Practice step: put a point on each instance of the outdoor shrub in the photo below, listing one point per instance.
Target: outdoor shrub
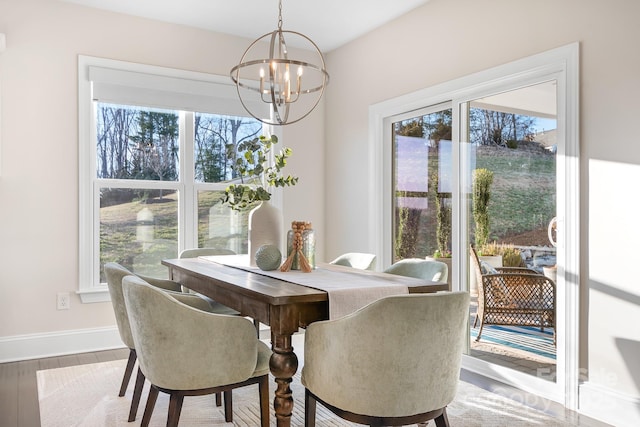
(512, 143)
(489, 249)
(443, 216)
(482, 181)
(407, 221)
(511, 257)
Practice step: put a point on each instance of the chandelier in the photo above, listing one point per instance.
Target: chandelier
(266, 74)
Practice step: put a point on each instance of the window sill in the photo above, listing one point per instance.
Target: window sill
(96, 294)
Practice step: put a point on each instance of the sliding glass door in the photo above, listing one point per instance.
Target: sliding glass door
(505, 181)
(422, 185)
(490, 162)
(510, 218)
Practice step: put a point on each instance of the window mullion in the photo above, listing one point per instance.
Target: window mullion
(189, 196)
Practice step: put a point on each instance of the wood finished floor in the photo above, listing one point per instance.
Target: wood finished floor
(19, 391)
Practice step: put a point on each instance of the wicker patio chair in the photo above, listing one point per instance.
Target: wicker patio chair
(514, 296)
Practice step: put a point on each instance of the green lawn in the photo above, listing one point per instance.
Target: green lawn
(522, 199)
(523, 191)
(141, 246)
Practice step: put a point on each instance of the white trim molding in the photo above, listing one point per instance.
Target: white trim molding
(608, 405)
(36, 346)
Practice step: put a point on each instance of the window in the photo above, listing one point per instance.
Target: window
(154, 161)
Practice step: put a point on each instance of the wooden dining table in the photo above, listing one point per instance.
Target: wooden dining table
(284, 306)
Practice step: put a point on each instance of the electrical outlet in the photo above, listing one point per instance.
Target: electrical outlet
(63, 301)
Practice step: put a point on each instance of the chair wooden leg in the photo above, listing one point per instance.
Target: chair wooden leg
(228, 406)
(137, 392)
(218, 399)
(309, 409)
(127, 372)
(175, 407)
(442, 420)
(263, 390)
(480, 331)
(151, 403)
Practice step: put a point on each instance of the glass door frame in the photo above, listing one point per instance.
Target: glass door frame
(560, 64)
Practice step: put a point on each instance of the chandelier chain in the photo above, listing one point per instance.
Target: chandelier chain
(279, 14)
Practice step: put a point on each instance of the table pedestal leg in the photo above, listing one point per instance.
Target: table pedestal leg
(283, 365)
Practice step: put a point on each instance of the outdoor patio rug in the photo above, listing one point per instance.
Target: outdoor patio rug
(520, 339)
(87, 395)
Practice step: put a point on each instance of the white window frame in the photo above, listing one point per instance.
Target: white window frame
(560, 64)
(121, 82)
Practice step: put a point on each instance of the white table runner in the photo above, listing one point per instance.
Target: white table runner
(347, 291)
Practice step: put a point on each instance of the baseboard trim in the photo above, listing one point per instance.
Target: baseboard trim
(609, 406)
(36, 346)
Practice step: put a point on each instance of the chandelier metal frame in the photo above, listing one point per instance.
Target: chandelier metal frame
(277, 87)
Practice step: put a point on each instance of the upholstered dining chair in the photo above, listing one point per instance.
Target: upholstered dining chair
(196, 252)
(432, 270)
(115, 273)
(362, 261)
(183, 351)
(394, 362)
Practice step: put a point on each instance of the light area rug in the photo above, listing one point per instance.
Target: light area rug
(87, 395)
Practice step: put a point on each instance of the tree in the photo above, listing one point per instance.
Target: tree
(413, 127)
(490, 127)
(213, 134)
(155, 146)
(438, 126)
(114, 125)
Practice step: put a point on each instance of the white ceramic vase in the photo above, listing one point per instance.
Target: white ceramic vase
(265, 228)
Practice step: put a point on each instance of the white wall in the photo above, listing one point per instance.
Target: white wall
(39, 171)
(446, 39)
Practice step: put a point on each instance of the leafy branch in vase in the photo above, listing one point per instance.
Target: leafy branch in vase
(255, 177)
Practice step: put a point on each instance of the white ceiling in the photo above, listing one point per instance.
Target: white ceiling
(537, 100)
(329, 23)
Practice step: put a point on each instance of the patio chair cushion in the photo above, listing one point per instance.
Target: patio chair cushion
(487, 268)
